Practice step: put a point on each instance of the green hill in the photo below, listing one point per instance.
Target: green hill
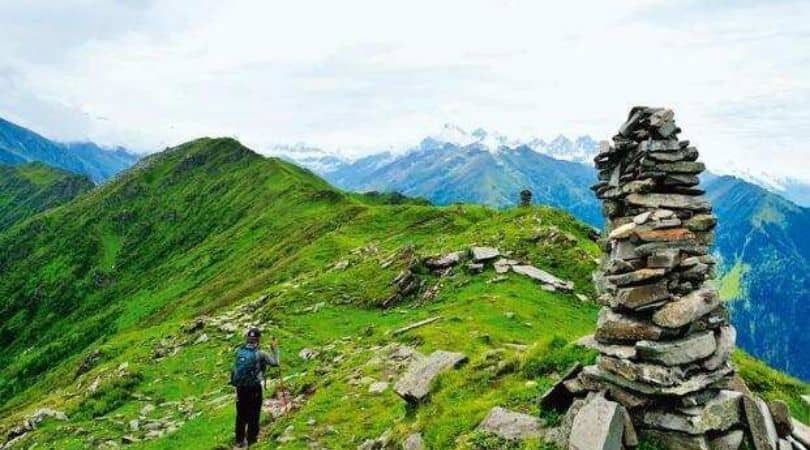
(31, 188)
(122, 308)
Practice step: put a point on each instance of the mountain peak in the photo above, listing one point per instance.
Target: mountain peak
(479, 133)
(453, 134)
(560, 140)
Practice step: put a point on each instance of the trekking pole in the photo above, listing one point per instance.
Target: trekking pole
(285, 403)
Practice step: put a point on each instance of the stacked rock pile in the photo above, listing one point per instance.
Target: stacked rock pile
(663, 334)
(663, 330)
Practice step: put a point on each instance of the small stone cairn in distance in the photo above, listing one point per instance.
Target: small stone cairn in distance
(663, 333)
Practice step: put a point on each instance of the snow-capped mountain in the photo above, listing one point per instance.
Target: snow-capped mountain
(313, 158)
(581, 150)
(493, 141)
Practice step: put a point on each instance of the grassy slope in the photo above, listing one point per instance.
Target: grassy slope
(209, 227)
(31, 188)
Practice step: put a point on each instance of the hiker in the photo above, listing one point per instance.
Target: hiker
(247, 376)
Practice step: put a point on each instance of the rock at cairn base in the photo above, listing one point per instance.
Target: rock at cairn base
(511, 425)
(599, 425)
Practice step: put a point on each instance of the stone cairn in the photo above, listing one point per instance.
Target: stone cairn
(663, 334)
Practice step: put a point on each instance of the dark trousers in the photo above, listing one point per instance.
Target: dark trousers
(248, 409)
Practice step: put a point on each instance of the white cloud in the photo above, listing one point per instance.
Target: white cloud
(363, 75)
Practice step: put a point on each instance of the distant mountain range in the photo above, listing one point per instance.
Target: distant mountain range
(765, 258)
(581, 149)
(19, 145)
(455, 166)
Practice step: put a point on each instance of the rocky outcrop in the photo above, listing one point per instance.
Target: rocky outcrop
(30, 424)
(475, 261)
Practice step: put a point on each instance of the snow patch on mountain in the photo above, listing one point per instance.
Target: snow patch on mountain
(581, 150)
(313, 158)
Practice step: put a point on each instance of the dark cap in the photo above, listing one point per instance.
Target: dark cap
(254, 332)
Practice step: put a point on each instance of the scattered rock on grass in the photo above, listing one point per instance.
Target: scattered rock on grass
(414, 442)
(512, 425)
(544, 277)
(378, 387)
(480, 254)
(415, 384)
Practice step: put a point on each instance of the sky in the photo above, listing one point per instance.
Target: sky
(356, 77)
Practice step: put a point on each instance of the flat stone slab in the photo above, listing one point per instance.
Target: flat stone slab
(653, 374)
(480, 254)
(543, 277)
(503, 265)
(639, 296)
(670, 201)
(512, 425)
(719, 414)
(450, 259)
(636, 277)
(415, 384)
(599, 425)
(619, 351)
(682, 351)
(686, 387)
(616, 328)
(689, 308)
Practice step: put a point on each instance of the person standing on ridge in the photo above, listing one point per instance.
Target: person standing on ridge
(247, 376)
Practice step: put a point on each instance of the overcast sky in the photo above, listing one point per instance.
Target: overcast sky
(359, 76)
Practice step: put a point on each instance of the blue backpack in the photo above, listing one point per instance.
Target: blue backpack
(247, 368)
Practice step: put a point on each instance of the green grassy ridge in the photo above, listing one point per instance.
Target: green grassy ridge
(179, 225)
(28, 189)
(210, 226)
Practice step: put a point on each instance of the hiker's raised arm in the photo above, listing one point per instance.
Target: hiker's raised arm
(272, 357)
